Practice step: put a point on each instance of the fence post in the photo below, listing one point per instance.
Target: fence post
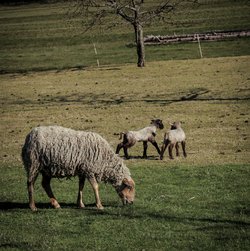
(97, 60)
(198, 39)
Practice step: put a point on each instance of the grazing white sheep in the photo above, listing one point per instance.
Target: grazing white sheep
(58, 152)
(145, 135)
(172, 138)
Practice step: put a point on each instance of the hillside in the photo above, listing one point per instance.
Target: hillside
(41, 37)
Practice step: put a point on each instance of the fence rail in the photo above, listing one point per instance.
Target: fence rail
(209, 36)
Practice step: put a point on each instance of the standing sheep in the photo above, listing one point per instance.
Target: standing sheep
(146, 134)
(58, 152)
(172, 138)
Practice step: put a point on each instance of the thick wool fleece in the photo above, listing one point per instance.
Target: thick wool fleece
(62, 152)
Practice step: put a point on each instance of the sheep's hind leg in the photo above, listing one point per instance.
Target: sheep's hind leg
(81, 186)
(95, 187)
(118, 148)
(46, 185)
(177, 149)
(125, 149)
(170, 151)
(145, 147)
(183, 144)
(30, 186)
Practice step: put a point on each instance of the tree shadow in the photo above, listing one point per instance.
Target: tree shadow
(132, 214)
(107, 99)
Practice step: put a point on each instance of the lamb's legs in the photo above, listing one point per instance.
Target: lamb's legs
(183, 144)
(156, 146)
(163, 148)
(125, 149)
(177, 149)
(170, 151)
(46, 185)
(145, 147)
(95, 187)
(119, 147)
(81, 186)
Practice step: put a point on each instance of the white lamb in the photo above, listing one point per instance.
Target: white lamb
(145, 135)
(172, 138)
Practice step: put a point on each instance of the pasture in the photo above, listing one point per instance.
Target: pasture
(38, 37)
(196, 203)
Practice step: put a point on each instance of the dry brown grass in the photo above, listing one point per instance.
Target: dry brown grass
(210, 97)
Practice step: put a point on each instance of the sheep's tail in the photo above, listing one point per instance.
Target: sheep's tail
(120, 134)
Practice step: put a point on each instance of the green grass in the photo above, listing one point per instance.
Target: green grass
(40, 37)
(197, 203)
(177, 208)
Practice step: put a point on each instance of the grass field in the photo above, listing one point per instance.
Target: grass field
(41, 37)
(196, 203)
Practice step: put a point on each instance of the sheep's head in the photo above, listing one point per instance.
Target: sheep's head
(175, 125)
(126, 191)
(158, 123)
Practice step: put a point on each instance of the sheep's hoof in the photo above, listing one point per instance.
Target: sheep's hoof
(34, 209)
(99, 207)
(81, 206)
(54, 203)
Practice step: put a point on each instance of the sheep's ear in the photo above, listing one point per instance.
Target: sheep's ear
(128, 183)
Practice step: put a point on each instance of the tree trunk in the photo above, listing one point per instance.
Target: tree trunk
(139, 45)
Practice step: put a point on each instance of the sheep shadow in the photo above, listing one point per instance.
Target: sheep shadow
(9, 205)
(140, 157)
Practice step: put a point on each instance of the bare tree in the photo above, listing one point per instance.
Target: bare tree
(138, 13)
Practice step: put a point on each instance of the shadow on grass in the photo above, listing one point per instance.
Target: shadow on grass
(8, 205)
(130, 212)
(105, 99)
(140, 157)
(172, 218)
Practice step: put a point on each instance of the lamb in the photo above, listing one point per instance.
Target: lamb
(146, 134)
(172, 138)
(58, 152)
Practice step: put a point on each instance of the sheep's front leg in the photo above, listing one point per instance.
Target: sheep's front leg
(154, 143)
(145, 147)
(95, 187)
(81, 186)
(163, 148)
(46, 185)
